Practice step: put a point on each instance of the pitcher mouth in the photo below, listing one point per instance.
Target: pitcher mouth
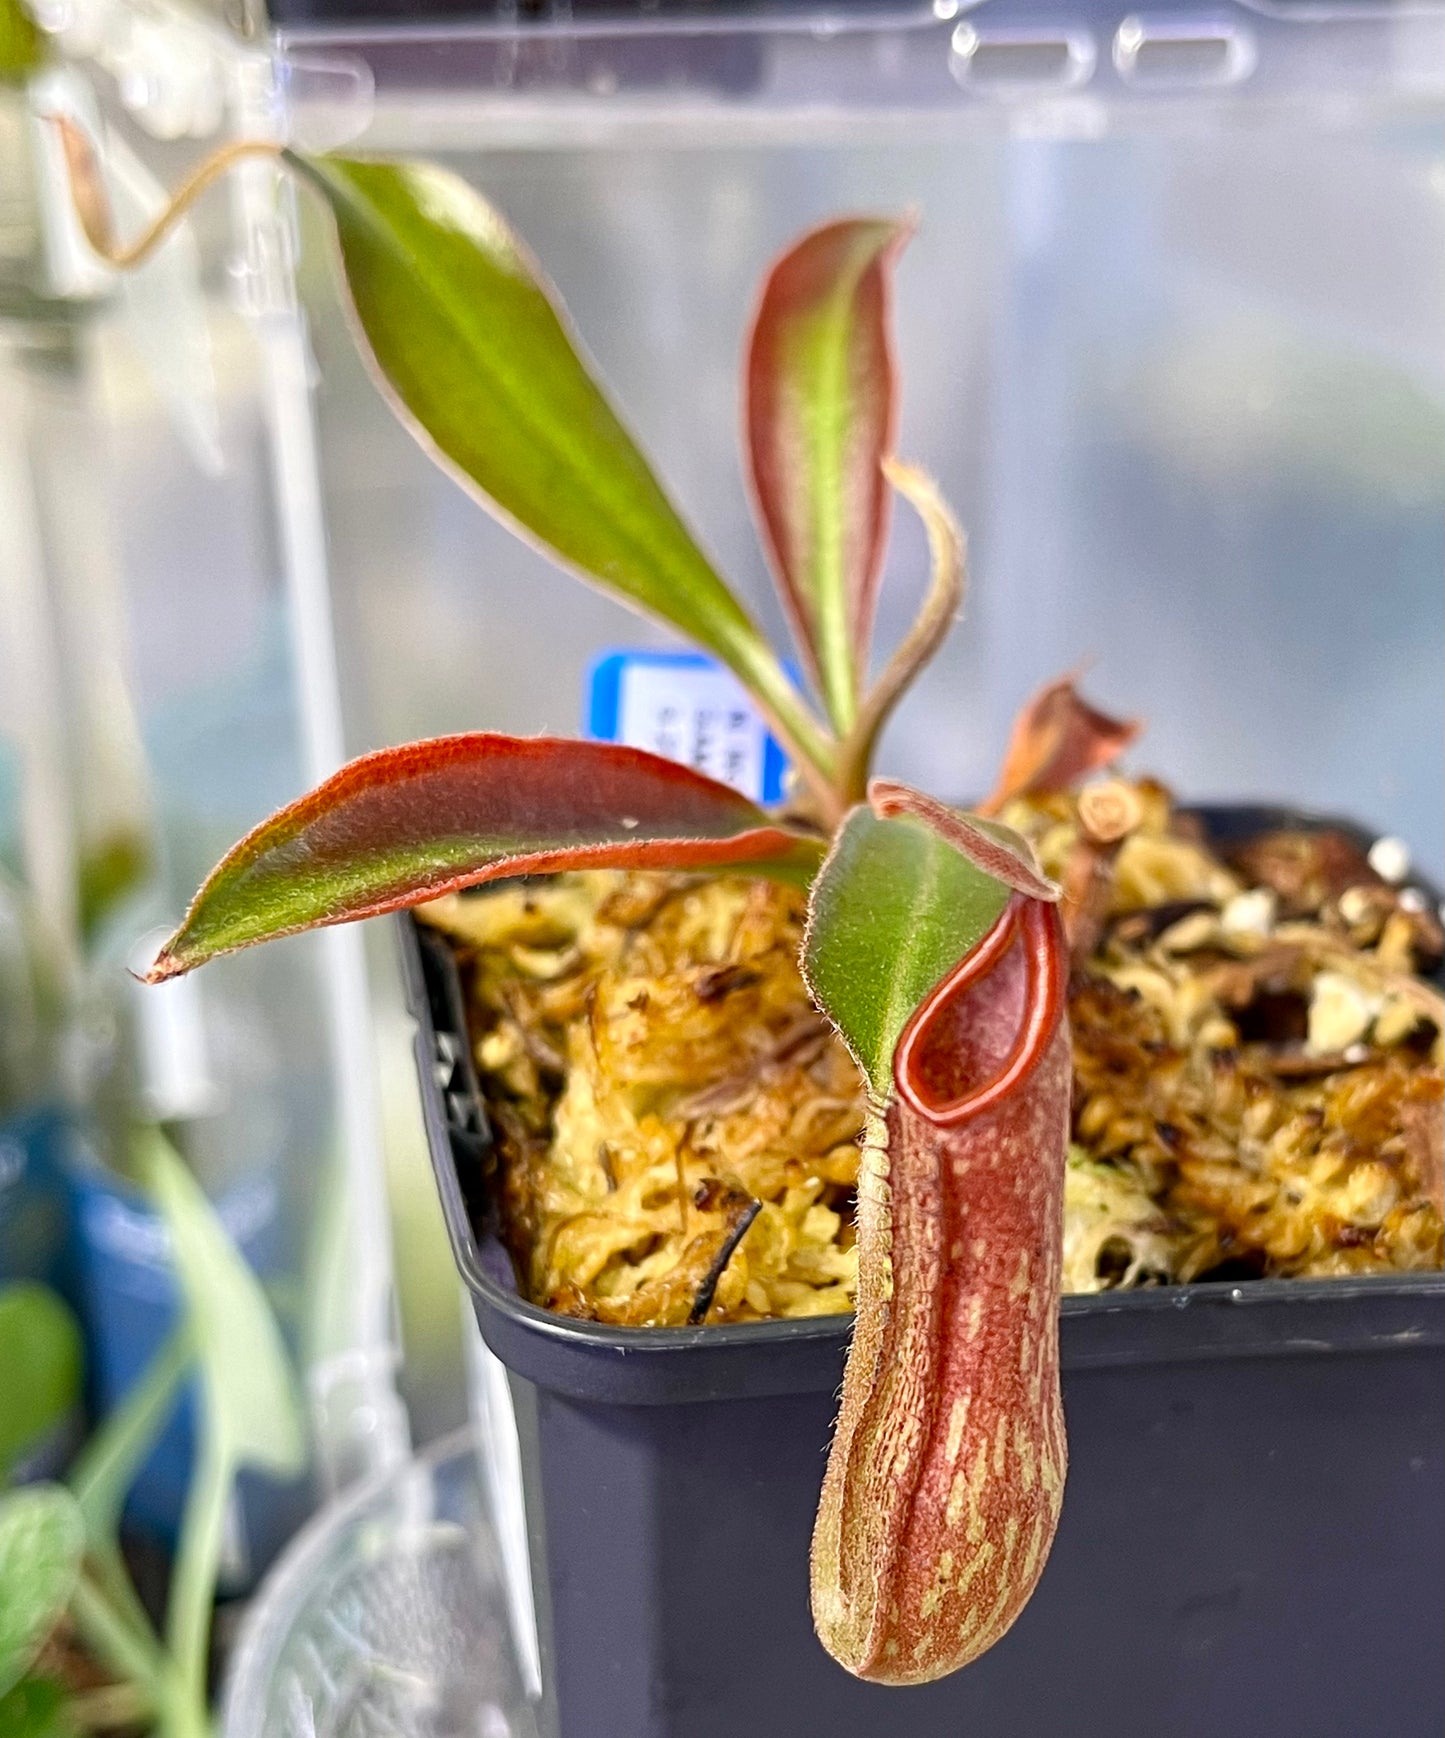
(1035, 928)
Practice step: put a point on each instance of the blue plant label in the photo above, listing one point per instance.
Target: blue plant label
(688, 707)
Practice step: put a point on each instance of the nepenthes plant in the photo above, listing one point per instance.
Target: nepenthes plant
(933, 942)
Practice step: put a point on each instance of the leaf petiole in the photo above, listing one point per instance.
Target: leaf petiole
(118, 1641)
(108, 1466)
(814, 752)
(193, 1583)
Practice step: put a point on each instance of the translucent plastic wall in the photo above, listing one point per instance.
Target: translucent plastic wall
(165, 679)
(1169, 336)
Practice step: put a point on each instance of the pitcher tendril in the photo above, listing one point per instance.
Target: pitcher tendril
(92, 202)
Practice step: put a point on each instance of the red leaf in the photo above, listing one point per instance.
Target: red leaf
(820, 418)
(407, 824)
(1056, 740)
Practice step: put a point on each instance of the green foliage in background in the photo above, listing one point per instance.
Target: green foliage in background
(40, 1367)
(61, 1565)
(22, 46)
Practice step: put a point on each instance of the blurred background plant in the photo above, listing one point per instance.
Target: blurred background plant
(131, 411)
(79, 1650)
(168, 1246)
(22, 46)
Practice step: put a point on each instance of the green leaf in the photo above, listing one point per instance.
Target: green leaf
(111, 870)
(820, 419)
(42, 1538)
(40, 1367)
(22, 46)
(36, 1708)
(894, 909)
(408, 824)
(248, 1390)
(476, 351)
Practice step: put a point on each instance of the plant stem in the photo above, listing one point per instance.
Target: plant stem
(112, 1705)
(813, 751)
(109, 1462)
(940, 609)
(118, 1641)
(193, 1583)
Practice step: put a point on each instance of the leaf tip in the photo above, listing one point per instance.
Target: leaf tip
(165, 966)
(1057, 739)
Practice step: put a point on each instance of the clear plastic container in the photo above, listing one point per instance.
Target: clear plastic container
(387, 1614)
(166, 677)
(1168, 337)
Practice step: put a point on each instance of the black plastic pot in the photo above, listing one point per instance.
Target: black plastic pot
(1253, 1540)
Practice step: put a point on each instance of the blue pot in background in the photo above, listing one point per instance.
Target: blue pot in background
(35, 1152)
(34, 1195)
(125, 1291)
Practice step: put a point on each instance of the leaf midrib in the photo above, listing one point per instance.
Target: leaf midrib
(834, 612)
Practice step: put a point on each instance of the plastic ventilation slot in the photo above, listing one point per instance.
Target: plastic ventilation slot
(1177, 54)
(1008, 62)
